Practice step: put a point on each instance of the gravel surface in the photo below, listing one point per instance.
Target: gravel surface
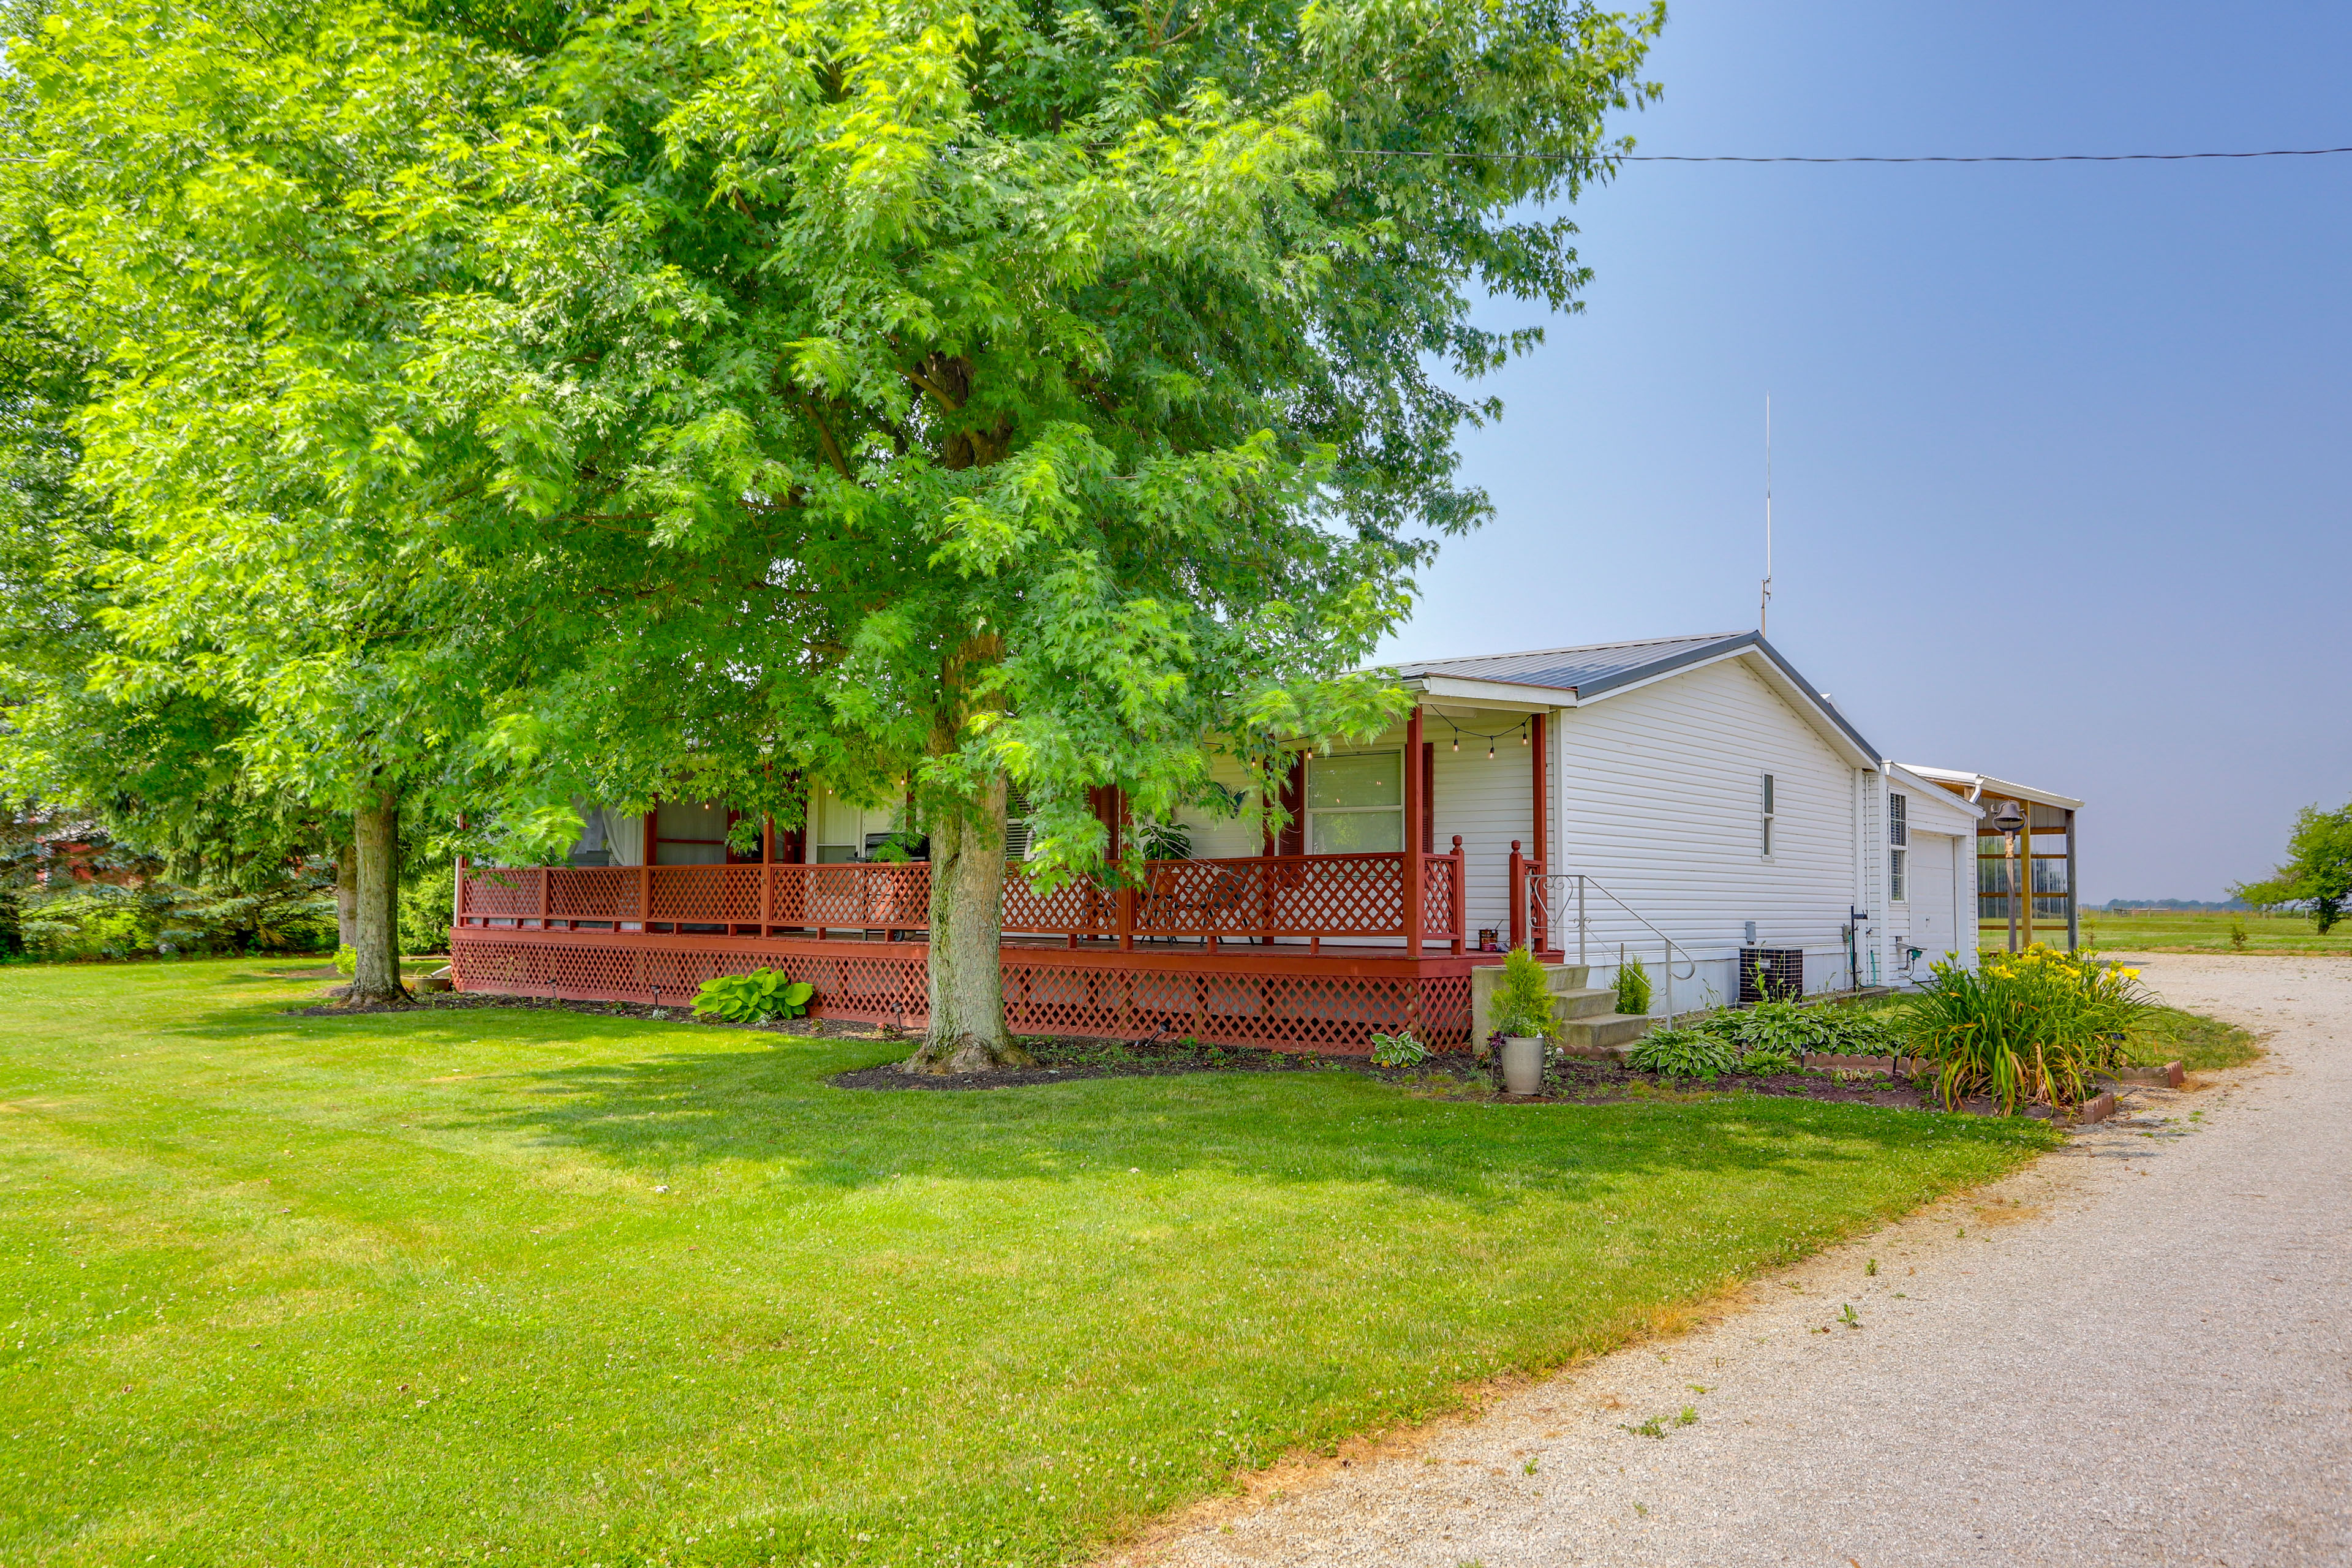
(2138, 1351)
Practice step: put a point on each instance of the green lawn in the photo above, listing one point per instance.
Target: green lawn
(2201, 930)
(2197, 1042)
(541, 1287)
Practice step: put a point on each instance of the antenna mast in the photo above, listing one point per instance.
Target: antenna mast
(1764, 606)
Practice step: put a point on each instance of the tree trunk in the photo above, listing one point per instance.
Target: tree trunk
(347, 897)
(967, 1032)
(375, 933)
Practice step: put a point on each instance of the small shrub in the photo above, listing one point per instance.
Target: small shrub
(347, 960)
(1523, 1001)
(1683, 1052)
(2237, 936)
(753, 998)
(1400, 1050)
(1766, 1063)
(1632, 988)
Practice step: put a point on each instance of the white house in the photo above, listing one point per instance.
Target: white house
(1691, 801)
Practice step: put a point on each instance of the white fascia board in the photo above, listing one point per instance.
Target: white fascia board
(1504, 695)
(1809, 704)
(1986, 782)
(1934, 794)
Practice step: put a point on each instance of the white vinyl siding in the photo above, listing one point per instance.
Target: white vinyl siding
(837, 828)
(1660, 798)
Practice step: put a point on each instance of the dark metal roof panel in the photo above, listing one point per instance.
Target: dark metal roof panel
(1592, 668)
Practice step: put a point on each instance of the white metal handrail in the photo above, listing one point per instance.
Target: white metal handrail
(1584, 925)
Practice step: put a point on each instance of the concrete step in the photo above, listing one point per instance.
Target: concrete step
(1567, 977)
(1603, 1029)
(1584, 1002)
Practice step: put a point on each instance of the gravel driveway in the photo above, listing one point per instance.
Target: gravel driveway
(2136, 1351)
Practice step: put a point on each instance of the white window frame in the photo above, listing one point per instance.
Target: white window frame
(1768, 797)
(1310, 811)
(1898, 818)
(1897, 878)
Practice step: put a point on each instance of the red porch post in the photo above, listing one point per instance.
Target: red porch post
(1518, 890)
(1123, 905)
(767, 874)
(1413, 873)
(1538, 767)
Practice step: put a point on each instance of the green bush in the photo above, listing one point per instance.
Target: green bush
(755, 998)
(2033, 1026)
(1523, 1001)
(1400, 1050)
(87, 923)
(1632, 988)
(1683, 1052)
(1767, 1062)
(428, 898)
(347, 960)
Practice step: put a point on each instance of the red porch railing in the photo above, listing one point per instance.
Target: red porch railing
(1268, 899)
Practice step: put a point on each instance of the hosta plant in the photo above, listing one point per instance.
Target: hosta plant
(1767, 1062)
(1681, 1052)
(2028, 1028)
(1399, 1050)
(753, 998)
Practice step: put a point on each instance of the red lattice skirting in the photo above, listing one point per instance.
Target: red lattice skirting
(1322, 1002)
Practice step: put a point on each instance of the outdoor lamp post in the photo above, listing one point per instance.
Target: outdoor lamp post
(2010, 821)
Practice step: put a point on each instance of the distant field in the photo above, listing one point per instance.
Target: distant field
(2200, 931)
(2186, 931)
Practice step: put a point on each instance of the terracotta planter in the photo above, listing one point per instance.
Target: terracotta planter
(1523, 1064)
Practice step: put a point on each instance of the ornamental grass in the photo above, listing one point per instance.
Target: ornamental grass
(2027, 1027)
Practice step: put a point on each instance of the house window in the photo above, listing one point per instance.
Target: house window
(1895, 874)
(1355, 802)
(1768, 815)
(1898, 826)
(689, 833)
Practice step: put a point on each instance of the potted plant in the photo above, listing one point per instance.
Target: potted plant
(1523, 1021)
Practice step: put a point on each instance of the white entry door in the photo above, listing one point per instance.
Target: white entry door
(1931, 898)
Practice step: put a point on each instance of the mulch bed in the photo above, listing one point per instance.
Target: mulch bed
(1062, 1060)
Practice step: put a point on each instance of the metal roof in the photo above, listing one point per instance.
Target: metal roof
(1976, 784)
(1598, 668)
(1588, 670)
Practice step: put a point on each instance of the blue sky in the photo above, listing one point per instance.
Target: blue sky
(2062, 455)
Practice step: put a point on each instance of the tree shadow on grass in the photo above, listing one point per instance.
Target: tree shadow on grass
(772, 1108)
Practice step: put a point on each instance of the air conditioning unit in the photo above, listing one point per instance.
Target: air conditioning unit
(1771, 974)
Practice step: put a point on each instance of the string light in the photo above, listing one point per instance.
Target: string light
(1523, 727)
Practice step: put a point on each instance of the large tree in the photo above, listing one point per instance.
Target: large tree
(1021, 393)
(229, 214)
(2317, 870)
(941, 396)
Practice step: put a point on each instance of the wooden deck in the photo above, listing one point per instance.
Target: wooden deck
(1303, 952)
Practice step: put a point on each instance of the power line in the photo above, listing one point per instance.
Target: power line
(1925, 158)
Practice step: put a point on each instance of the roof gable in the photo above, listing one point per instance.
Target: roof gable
(1596, 670)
